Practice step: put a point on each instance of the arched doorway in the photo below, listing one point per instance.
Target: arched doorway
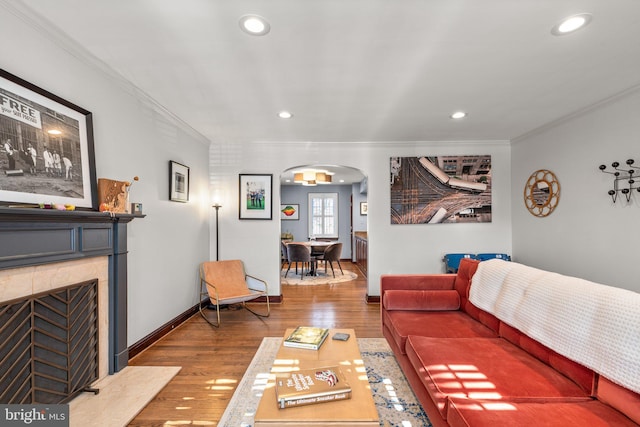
(343, 187)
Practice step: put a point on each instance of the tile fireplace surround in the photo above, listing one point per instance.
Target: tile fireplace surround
(21, 282)
(43, 250)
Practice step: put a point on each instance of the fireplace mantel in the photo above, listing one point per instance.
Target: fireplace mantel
(40, 236)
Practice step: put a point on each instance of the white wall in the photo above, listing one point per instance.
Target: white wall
(587, 235)
(392, 248)
(130, 139)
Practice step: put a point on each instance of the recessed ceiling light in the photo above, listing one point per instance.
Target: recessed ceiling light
(571, 24)
(285, 115)
(458, 115)
(255, 25)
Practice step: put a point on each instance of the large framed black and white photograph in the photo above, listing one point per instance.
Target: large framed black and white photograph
(46, 148)
(255, 198)
(178, 182)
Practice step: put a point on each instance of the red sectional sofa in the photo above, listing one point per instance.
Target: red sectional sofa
(470, 368)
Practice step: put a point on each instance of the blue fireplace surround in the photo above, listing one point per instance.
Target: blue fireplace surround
(39, 236)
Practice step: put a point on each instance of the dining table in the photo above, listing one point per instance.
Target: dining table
(317, 248)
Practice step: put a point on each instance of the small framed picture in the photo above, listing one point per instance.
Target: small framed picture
(289, 212)
(255, 196)
(363, 208)
(178, 182)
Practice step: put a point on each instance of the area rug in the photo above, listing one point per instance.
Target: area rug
(320, 279)
(396, 404)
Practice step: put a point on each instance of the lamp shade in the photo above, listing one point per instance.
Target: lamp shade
(312, 177)
(323, 178)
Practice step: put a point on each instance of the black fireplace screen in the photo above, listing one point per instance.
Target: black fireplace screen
(49, 345)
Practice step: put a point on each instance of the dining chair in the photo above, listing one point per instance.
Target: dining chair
(297, 252)
(284, 258)
(331, 255)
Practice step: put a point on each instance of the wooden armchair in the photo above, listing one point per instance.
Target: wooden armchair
(225, 282)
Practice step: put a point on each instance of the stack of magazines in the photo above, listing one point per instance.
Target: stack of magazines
(309, 337)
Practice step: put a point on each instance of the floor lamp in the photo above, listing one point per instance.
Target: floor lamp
(217, 206)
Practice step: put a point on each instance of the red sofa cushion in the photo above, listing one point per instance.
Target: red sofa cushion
(416, 281)
(421, 300)
(482, 316)
(462, 283)
(484, 368)
(443, 324)
(466, 271)
(620, 398)
(577, 372)
(591, 413)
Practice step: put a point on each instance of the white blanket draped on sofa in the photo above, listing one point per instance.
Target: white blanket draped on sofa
(592, 324)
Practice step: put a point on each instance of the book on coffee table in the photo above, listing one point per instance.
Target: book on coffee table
(309, 386)
(309, 337)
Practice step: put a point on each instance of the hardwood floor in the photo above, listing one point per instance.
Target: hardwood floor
(214, 360)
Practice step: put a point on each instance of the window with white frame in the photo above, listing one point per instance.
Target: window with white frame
(323, 215)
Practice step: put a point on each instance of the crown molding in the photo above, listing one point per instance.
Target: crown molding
(49, 30)
(386, 144)
(578, 113)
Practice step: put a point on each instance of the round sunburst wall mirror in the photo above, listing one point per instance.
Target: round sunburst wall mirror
(542, 193)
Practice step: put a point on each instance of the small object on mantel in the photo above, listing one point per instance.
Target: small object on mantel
(136, 208)
(113, 196)
(25, 206)
(57, 206)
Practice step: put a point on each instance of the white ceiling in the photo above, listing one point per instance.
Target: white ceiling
(361, 70)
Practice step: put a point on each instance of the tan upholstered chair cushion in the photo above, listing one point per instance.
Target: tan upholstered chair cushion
(228, 277)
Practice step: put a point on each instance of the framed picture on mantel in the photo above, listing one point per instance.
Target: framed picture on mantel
(46, 148)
